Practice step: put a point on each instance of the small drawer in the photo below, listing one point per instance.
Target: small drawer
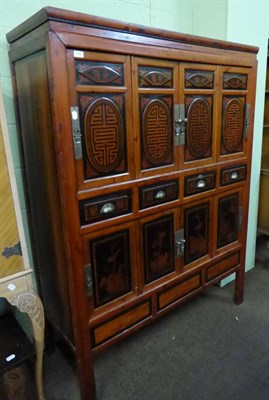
(176, 292)
(116, 325)
(105, 207)
(194, 184)
(233, 174)
(153, 195)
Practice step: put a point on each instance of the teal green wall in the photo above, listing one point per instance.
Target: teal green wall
(210, 18)
(233, 20)
(250, 25)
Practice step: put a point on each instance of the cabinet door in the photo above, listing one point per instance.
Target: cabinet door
(236, 111)
(230, 219)
(101, 117)
(198, 222)
(110, 263)
(154, 90)
(157, 247)
(198, 102)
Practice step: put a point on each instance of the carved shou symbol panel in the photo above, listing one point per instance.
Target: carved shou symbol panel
(158, 239)
(199, 127)
(228, 219)
(104, 138)
(155, 77)
(111, 266)
(234, 81)
(196, 232)
(156, 129)
(99, 73)
(199, 79)
(232, 124)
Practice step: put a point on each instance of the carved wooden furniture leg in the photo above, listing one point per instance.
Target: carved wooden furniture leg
(30, 303)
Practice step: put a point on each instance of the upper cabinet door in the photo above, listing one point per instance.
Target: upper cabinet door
(197, 114)
(100, 112)
(154, 84)
(236, 113)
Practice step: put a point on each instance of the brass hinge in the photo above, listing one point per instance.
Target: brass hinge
(247, 120)
(179, 124)
(179, 243)
(88, 280)
(76, 133)
(12, 251)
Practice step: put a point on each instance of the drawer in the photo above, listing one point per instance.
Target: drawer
(176, 292)
(194, 184)
(116, 325)
(105, 207)
(222, 266)
(160, 193)
(233, 174)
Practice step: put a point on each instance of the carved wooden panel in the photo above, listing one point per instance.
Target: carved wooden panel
(158, 238)
(195, 79)
(111, 266)
(155, 77)
(156, 131)
(228, 219)
(232, 124)
(99, 73)
(104, 134)
(199, 127)
(196, 222)
(234, 81)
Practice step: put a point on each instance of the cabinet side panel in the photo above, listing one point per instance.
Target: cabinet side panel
(41, 183)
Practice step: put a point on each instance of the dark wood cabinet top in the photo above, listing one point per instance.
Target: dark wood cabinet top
(65, 16)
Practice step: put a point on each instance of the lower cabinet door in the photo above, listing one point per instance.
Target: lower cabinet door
(198, 222)
(157, 246)
(111, 265)
(229, 208)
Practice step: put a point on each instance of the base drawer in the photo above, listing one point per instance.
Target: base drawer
(176, 292)
(129, 318)
(222, 266)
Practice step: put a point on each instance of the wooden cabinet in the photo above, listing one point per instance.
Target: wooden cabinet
(137, 153)
(263, 212)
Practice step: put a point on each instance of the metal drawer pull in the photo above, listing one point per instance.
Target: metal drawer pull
(234, 175)
(107, 208)
(201, 184)
(160, 194)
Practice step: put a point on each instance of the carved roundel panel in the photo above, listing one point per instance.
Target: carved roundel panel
(157, 138)
(104, 135)
(233, 125)
(199, 128)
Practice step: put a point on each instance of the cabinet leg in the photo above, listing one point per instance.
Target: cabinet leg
(30, 303)
(239, 287)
